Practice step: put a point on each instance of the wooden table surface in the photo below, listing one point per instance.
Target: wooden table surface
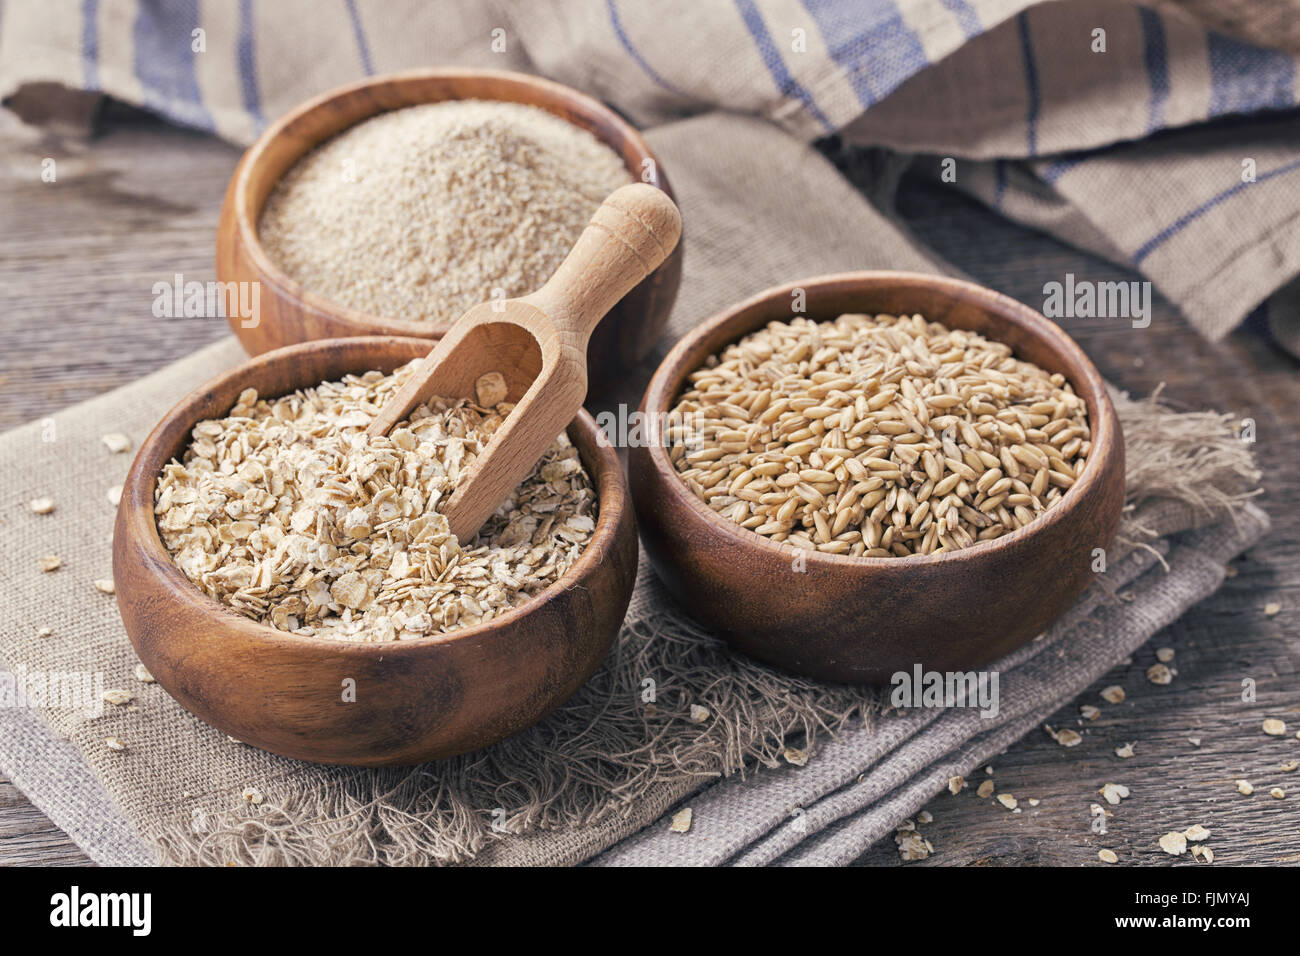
(139, 203)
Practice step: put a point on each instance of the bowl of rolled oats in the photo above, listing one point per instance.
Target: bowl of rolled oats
(854, 474)
(292, 582)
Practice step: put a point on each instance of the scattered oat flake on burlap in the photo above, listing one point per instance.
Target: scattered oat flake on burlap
(1090, 712)
(956, 785)
(1124, 751)
(1164, 654)
(795, 756)
(114, 495)
(1114, 694)
(252, 795)
(51, 562)
(1244, 787)
(1274, 727)
(699, 714)
(681, 821)
(1008, 801)
(1107, 856)
(104, 585)
(1114, 793)
(1272, 608)
(1277, 793)
(985, 790)
(1159, 674)
(44, 631)
(116, 442)
(41, 506)
(116, 697)
(115, 743)
(142, 674)
(1173, 843)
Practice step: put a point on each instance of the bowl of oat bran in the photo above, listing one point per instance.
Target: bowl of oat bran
(392, 205)
(908, 470)
(295, 587)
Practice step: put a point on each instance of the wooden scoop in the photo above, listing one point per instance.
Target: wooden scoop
(539, 346)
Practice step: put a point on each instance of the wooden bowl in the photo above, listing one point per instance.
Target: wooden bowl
(291, 313)
(416, 700)
(861, 620)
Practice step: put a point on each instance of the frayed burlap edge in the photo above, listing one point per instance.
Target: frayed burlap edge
(629, 730)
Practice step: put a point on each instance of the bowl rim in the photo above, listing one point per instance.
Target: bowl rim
(288, 287)
(658, 396)
(141, 526)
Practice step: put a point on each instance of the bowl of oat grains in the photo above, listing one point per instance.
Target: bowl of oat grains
(393, 205)
(906, 470)
(293, 583)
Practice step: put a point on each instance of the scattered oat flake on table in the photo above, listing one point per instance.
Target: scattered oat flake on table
(1290, 765)
(1114, 793)
(681, 821)
(795, 756)
(956, 785)
(1208, 855)
(1114, 694)
(142, 674)
(51, 562)
(104, 585)
(1034, 801)
(114, 495)
(1194, 741)
(1164, 654)
(911, 845)
(115, 743)
(989, 770)
(1159, 674)
(1008, 801)
(699, 714)
(925, 816)
(1173, 843)
(1277, 793)
(116, 697)
(252, 795)
(1196, 833)
(1107, 856)
(1125, 751)
(116, 442)
(1244, 787)
(1274, 727)
(41, 506)
(1230, 571)
(1066, 737)
(986, 789)
(1090, 712)
(1272, 608)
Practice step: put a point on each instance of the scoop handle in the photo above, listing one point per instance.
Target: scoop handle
(635, 229)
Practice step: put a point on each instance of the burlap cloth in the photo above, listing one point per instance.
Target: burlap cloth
(760, 207)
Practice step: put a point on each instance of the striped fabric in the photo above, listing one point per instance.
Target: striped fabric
(1014, 89)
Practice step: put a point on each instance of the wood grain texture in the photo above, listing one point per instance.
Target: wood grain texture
(860, 620)
(290, 313)
(539, 345)
(141, 202)
(415, 700)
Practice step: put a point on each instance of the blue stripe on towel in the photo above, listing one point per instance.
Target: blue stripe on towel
(90, 44)
(1245, 78)
(247, 64)
(870, 41)
(1186, 219)
(1156, 55)
(767, 48)
(164, 60)
(363, 48)
(1054, 171)
(967, 17)
(616, 23)
(1032, 95)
